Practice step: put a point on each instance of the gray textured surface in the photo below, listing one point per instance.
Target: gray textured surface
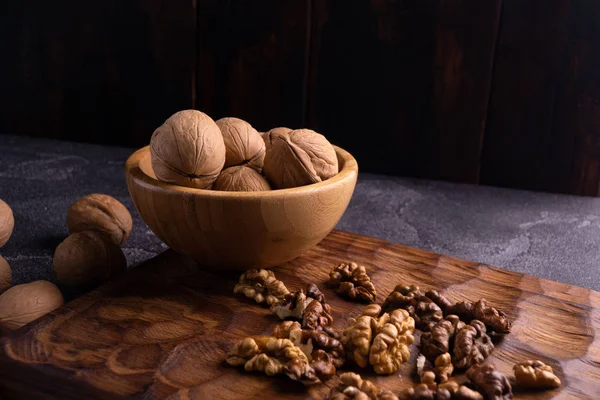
(552, 236)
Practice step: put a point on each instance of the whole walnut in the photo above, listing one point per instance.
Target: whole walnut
(102, 213)
(87, 259)
(297, 158)
(188, 150)
(22, 304)
(5, 274)
(7, 223)
(243, 144)
(241, 179)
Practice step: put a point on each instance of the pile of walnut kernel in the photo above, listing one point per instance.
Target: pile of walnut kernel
(454, 337)
(190, 149)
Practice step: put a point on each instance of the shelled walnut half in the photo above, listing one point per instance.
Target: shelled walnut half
(308, 306)
(352, 281)
(381, 342)
(445, 391)
(494, 319)
(324, 351)
(535, 375)
(472, 345)
(492, 383)
(352, 386)
(273, 357)
(439, 339)
(261, 285)
(421, 308)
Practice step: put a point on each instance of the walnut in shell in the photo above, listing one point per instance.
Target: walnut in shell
(87, 259)
(495, 320)
(535, 375)
(353, 282)
(7, 222)
(188, 150)
(261, 285)
(244, 146)
(352, 386)
(421, 308)
(241, 179)
(5, 275)
(298, 158)
(22, 304)
(102, 213)
(273, 357)
(472, 345)
(493, 384)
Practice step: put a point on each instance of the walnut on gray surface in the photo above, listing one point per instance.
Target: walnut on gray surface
(352, 386)
(7, 222)
(87, 259)
(188, 150)
(101, 213)
(494, 319)
(5, 275)
(273, 357)
(421, 308)
(262, 286)
(472, 345)
(352, 281)
(493, 384)
(535, 375)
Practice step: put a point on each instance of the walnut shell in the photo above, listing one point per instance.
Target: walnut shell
(5, 274)
(243, 144)
(298, 158)
(7, 223)
(22, 304)
(241, 179)
(188, 150)
(87, 259)
(102, 213)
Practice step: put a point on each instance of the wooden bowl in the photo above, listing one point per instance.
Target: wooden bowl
(240, 230)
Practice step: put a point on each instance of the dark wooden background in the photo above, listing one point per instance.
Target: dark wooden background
(499, 92)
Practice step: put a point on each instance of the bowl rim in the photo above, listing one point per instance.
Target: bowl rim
(132, 168)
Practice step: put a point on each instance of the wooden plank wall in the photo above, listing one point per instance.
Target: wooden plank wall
(499, 92)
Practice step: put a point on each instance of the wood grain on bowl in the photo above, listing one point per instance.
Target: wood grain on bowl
(162, 331)
(240, 230)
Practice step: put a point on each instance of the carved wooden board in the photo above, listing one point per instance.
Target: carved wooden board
(162, 330)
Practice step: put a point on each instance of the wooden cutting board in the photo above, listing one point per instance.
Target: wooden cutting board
(162, 331)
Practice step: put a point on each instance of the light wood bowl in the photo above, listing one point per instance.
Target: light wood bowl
(240, 230)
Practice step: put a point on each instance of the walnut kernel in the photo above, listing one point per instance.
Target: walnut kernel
(535, 374)
(353, 282)
(261, 285)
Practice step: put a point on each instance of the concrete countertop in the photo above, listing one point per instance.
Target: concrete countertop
(548, 235)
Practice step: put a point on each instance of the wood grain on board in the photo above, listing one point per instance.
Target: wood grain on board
(162, 331)
(404, 85)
